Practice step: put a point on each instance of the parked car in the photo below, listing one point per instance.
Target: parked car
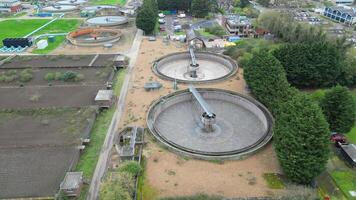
(182, 15)
(161, 21)
(162, 28)
(338, 139)
(161, 15)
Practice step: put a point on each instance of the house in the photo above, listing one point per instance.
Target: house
(194, 40)
(104, 98)
(72, 183)
(238, 25)
(12, 6)
(342, 14)
(121, 61)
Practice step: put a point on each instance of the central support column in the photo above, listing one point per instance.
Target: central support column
(194, 66)
(208, 118)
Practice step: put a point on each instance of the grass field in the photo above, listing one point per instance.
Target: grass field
(89, 158)
(109, 2)
(273, 181)
(20, 28)
(202, 32)
(346, 181)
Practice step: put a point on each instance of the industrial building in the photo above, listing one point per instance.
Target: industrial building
(13, 6)
(238, 25)
(342, 14)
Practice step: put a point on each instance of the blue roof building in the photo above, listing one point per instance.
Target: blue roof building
(345, 15)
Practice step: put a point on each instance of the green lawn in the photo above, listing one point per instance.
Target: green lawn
(20, 28)
(109, 2)
(346, 181)
(144, 190)
(89, 158)
(204, 33)
(351, 136)
(274, 181)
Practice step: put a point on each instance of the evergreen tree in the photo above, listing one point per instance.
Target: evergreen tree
(200, 8)
(267, 80)
(316, 64)
(147, 16)
(339, 109)
(301, 139)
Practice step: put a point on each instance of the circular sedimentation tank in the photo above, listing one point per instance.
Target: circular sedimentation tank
(212, 67)
(242, 125)
(107, 21)
(71, 2)
(60, 8)
(99, 7)
(93, 36)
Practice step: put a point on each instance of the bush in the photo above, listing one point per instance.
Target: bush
(311, 65)
(68, 76)
(79, 77)
(301, 136)
(26, 75)
(267, 80)
(117, 186)
(50, 76)
(132, 167)
(215, 30)
(339, 109)
(58, 76)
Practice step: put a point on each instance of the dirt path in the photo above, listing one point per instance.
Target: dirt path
(173, 175)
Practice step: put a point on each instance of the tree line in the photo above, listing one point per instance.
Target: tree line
(310, 58)
(301, 129)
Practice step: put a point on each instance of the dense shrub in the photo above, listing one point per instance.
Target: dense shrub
(117, 186)
(339, 109)
(267, 80)
(200, 8)
(301, 139)
(50, 76)
(216, 30)
(132, 167)
(69, 76)
(310, 65)
(26, 75)
(174, 4)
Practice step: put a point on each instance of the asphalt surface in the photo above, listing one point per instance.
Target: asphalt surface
(109, 140)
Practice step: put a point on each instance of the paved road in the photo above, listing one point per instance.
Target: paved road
(108, 143)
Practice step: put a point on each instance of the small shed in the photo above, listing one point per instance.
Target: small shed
(72, 183)
(104, 98)
(120, 61)
(194, 40)
(349, 153)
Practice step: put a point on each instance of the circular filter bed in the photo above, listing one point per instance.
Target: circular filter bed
(107, 21)
(93, 36)
(211, 67)
(71, 2)
(60, 8)
(241, 124)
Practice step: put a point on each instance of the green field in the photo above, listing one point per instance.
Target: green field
(20, 28)
(89, 158)
(346, 181)
(108, 2)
